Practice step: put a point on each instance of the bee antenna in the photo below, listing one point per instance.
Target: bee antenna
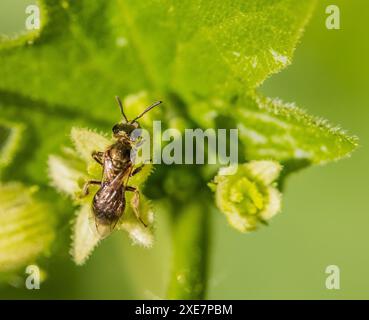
(121, 108)
(147, 110)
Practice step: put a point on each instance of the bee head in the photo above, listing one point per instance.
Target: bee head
(125, 128)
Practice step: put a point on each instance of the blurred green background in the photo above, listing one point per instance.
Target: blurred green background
(325, 219)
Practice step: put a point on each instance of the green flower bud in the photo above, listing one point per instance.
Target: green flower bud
(69, 173)
(26, 227)
(247, 194)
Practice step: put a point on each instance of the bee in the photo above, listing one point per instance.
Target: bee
(109, 201)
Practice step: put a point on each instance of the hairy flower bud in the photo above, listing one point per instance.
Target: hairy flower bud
(249, 196)
(68, 174)
(26, 226)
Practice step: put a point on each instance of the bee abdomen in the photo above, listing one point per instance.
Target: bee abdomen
(108, 205)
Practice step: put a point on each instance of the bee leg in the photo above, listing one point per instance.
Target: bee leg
(137, 170)
(98, 156)
(85, 190)
(135, 203)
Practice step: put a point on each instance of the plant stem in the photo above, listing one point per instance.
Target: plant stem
(191, 226)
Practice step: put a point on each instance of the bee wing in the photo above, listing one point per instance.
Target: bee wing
(109, 197)
(101, 230)
(104, 230)
(117, 181)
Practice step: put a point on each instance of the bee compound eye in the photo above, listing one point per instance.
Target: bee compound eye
(116, 129)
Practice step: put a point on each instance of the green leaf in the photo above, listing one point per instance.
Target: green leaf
(193, 48)
(271, 129)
